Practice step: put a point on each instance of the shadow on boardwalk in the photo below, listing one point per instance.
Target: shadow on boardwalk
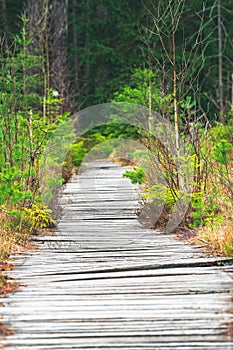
(104, 282)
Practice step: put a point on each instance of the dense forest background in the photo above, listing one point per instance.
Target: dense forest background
(174, 57)
(97, 44)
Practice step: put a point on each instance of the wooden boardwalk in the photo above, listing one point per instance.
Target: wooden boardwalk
(105, 282)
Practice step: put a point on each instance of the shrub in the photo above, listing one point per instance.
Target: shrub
(38, 217)
(136, 176)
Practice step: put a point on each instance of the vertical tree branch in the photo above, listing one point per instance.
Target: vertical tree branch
(232, 92)
(220, 61)
(176, 116)
(75, 44)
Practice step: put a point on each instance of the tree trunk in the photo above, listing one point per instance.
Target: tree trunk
(87, 48)
(4, 22)
(58, 46)
(75, 45)
(220, 62)
(47, 27)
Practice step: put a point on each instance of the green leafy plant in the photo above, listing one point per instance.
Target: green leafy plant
(143, 89)
(11, 186)
(38, 217)
(162, 193)
(136, 176)
(221, 151)
(204, 209)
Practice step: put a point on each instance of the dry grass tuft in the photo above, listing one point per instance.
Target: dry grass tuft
(11, 241)
(218, 238)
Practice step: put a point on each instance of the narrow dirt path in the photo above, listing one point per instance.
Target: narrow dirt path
(102, 281)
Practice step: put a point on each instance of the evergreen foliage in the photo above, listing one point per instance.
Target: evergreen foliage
(28, 117)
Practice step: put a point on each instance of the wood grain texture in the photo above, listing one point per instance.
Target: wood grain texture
(102, 281)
